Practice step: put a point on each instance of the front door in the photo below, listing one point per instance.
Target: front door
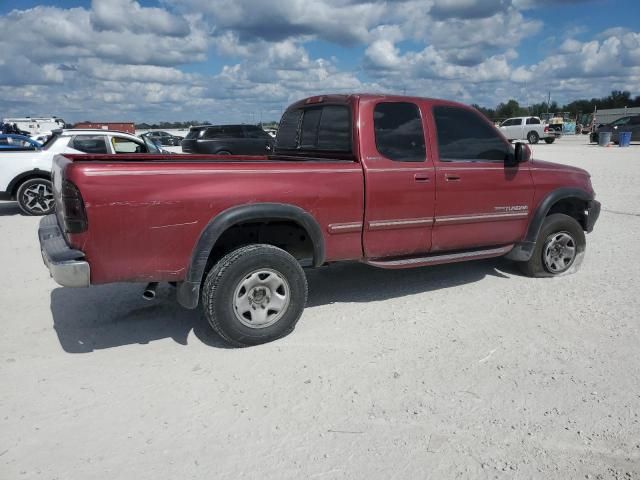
(479, 201)
(512, 128)
(399, 184)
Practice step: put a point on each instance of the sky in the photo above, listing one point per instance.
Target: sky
(227, 61)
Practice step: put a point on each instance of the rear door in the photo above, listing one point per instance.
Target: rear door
(479, 201)
(399, 183)
(258, 141)
(533, 124)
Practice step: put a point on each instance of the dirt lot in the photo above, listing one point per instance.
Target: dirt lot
(462, 371)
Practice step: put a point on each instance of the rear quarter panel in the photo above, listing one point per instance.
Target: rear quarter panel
(145, 218)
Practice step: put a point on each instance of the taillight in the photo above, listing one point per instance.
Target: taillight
(546, 128)
(74, 216)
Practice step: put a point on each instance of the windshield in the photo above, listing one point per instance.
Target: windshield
(151, 146)
(50, 141)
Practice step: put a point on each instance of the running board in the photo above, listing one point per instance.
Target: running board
(440, 258)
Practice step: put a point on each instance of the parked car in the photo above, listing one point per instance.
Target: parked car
(531, 128)
(228, 140)
(624, 124)
(442, 185)
(163, 138)
(18, 143)
(25, 174)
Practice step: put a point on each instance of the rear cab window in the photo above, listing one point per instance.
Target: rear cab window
(315, 129)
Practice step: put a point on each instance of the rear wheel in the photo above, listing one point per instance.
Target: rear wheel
(533, 137)
(549, 140)
(254, 295)
(559, 248)
(223, 152)
(35, 197)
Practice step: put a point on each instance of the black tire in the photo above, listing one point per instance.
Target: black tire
(553, 226)
(222, 291)
(533, 137)
(223, 152)
(35, 197)
(549, 140)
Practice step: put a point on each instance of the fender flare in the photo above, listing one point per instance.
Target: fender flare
(189, 290)
(523, 250)
(35, 173)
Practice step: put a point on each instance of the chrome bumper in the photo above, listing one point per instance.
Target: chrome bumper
(66, 265)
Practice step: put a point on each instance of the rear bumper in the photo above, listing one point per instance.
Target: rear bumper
(593, 212)
(66, 265)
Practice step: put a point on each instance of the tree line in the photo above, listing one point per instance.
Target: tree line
(617, 99)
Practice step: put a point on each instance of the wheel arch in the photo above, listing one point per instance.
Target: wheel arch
(14, 184)
(259, 213)
(568, 200)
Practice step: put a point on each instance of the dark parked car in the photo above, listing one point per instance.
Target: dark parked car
(624, 124)
(228, 140)
(164, 139)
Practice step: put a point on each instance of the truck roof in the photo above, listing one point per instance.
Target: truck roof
(346, 98)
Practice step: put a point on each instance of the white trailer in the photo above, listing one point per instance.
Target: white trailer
(36, 125)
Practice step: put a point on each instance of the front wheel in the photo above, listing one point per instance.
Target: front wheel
(35, 197)
(559, 247)
(533, 137)
(549, 140)
(254, 295)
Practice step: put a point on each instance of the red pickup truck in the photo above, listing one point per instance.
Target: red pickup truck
(392, 181)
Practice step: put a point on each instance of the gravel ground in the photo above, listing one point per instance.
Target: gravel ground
(467, 371)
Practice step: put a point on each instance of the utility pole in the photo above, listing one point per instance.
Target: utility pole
(548, 102)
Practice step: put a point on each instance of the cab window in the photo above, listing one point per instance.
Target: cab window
(89, 144)
(464, 136)
(398, 131)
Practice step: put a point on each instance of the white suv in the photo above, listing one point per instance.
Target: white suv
(531, 128)
(25, 176)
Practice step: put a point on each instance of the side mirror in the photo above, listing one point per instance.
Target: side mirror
(521, 153)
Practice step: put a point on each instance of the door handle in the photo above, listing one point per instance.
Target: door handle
(451, 178)
(421, 178)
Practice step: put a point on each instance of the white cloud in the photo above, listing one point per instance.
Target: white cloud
(123, 15)
(221, 59)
